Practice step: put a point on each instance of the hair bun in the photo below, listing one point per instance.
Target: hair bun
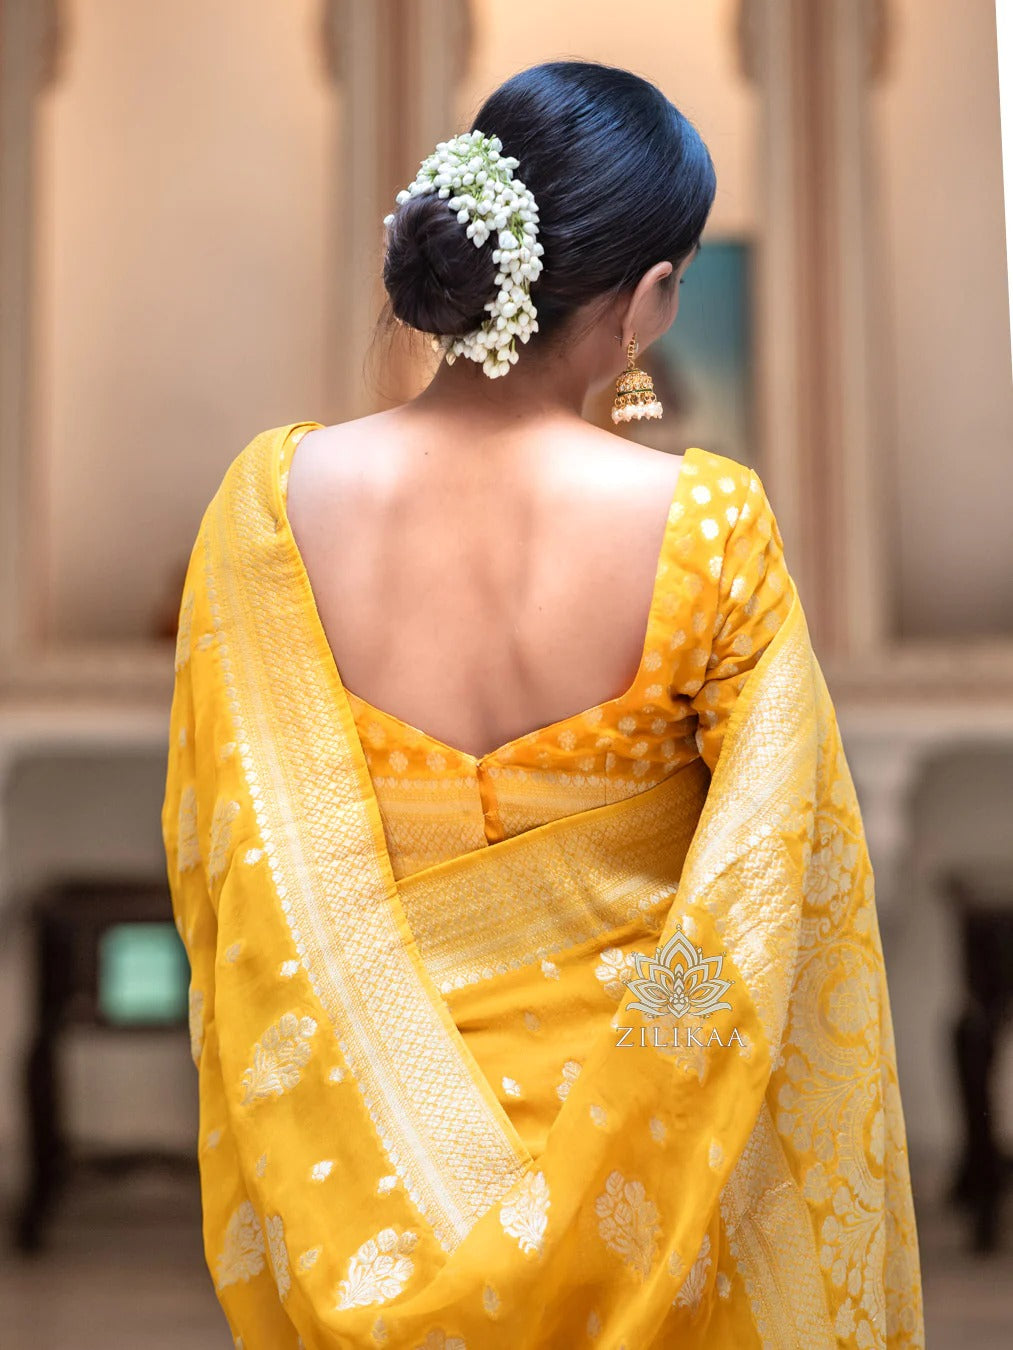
(437, 279)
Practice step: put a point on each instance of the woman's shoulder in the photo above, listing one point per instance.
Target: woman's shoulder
(259, 470)
(730, 473)
(259, 460)
(742, 485)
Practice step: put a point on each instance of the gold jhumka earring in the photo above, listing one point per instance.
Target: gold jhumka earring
(635, 395)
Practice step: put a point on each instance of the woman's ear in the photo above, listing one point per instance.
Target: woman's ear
(643, 309)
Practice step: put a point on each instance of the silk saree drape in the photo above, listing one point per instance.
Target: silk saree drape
(729, 1166)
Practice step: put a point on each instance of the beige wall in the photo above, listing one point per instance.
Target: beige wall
(943, 275)
(184, 163)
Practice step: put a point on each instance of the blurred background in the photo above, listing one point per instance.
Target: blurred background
(191, 198)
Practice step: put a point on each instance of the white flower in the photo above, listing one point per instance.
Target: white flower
(507, 206)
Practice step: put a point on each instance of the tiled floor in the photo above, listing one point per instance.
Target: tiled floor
(126, 1272)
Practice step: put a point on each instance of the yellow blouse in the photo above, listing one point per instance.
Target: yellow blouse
(437, 802)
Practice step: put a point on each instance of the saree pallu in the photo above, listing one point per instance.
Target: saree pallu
(727, 1166)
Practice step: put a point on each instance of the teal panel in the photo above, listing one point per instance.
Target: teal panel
(143, 974)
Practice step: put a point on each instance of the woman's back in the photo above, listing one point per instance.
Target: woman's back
(572, 744)
(481, 585)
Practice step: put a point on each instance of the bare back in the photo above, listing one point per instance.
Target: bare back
(479, 587)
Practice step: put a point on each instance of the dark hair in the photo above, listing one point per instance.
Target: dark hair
(621, 179)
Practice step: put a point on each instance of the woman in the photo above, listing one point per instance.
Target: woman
(513, 1037)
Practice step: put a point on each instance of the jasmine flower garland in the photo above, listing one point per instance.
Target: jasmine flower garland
(496, 201)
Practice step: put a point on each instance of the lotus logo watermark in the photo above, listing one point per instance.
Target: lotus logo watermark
(679, 980)
(678, 985)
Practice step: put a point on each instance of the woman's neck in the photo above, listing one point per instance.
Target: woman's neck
(536, 386)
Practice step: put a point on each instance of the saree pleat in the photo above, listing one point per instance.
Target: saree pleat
(708, 1147)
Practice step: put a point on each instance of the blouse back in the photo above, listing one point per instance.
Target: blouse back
(720, 595)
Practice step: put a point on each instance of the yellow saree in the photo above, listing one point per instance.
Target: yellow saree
(728, 1169)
